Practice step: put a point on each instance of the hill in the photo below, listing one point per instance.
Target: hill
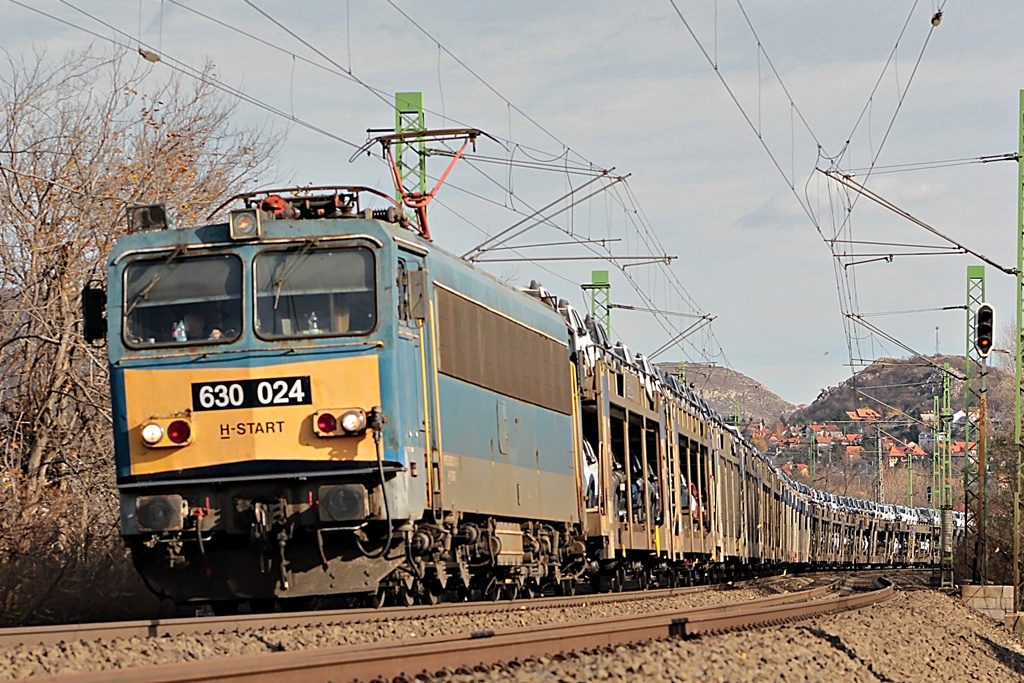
(892, 386)
(724, 389)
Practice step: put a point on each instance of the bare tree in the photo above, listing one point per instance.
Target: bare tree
(79, 140)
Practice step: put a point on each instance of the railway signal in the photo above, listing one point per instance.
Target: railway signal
(984, 324)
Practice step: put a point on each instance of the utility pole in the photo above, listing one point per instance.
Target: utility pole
(936, 497)
(1018, 527)
(812, 458)
(975, 545)
(880, 482)
(910, 477)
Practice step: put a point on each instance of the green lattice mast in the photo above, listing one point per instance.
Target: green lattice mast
(944, 454)
(975, 545)
(410, 118)
(600, 289)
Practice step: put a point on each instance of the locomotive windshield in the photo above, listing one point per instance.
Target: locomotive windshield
(175, 300)
(315, 292)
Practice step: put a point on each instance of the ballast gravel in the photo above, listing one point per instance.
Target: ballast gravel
(916, 636)
(120, 653)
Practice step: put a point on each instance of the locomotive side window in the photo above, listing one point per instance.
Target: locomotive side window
(177, 300)
(308, 291)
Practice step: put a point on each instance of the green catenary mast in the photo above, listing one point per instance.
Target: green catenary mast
(600, 289)
(944, 455)
(975, 545)
(410, 118)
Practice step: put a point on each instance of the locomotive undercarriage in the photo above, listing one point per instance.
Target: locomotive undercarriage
(227, 547)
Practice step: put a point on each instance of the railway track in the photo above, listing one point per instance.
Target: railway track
(154, 628)
(404, 660)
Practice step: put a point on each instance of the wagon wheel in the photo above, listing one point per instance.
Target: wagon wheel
(493, 590)
(617, 580)
(429, 593)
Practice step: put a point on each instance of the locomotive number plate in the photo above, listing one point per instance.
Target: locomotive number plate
(252, 393)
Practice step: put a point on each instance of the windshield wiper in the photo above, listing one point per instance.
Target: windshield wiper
(290, 263)
(144, 294)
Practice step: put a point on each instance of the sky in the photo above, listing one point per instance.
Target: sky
(720, 132)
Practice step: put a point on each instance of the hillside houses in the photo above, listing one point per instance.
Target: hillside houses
(863, 415)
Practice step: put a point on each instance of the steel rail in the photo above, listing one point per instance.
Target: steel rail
(468, 652)
(176, 626)
(695, 625)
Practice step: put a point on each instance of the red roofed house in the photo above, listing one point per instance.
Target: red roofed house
(863, 415)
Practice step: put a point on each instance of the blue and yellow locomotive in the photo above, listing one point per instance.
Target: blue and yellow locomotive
(312, 399)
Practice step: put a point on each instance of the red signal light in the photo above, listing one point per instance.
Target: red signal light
(326, 423)
(984, 328)
(179, 431)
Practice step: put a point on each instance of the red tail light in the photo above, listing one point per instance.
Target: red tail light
(179, 431)
(326, 423)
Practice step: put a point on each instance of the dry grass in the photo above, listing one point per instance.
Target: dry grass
(61, 562)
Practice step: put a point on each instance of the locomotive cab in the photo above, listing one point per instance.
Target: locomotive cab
(256, 414)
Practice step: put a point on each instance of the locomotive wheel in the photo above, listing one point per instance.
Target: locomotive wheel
(493, 590)
(374, 600)
(405, 597)
(567, 587)
(643, 579)
(511, 591)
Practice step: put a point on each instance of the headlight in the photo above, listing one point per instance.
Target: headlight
(152, 433)
(245, 224)
(339, 422)
(353, 421)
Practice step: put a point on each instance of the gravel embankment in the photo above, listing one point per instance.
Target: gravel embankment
(916, 636)
(27, 661)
